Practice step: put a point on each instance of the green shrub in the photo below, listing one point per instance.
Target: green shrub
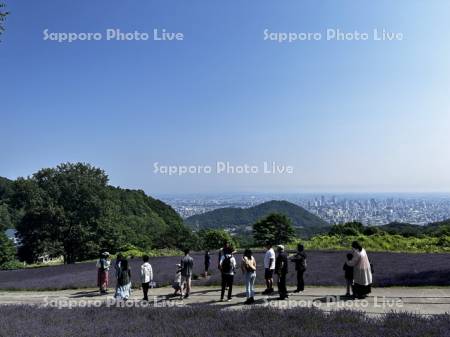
(10, 265)
(380, 242)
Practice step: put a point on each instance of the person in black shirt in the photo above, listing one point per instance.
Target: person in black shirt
(207, 262)
(281, 269)
(300, 266)
(348, 274)
(187, 266)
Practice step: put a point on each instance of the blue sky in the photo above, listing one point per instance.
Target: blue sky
(347, 115)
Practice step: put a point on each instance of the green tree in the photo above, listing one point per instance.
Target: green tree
(64, 208)
(7, 250)
(215, 238)
(274, 229)
(5, 217)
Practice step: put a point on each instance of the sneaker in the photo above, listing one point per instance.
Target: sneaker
(186, 296)
(228, 299)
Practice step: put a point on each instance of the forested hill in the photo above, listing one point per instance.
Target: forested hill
(71, 210)
(242, 217)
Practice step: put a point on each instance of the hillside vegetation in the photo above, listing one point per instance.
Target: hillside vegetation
(390, 238)
(72, 211)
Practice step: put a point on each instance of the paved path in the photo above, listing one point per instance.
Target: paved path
(424, 301)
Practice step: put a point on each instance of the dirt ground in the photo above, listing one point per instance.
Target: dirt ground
(419, 300)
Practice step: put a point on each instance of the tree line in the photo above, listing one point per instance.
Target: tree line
(72, 211)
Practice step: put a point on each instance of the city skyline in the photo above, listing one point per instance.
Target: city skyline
(347, 115)
(369, 209)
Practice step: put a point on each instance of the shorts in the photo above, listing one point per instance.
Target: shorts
(268, 273)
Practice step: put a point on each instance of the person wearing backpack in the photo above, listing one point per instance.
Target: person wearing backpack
(248, 267)
(227, 268)
(300, 266)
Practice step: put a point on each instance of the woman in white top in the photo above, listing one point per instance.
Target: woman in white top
(362, 274)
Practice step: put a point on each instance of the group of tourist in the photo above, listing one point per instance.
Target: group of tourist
(123, 276)
(357, 272)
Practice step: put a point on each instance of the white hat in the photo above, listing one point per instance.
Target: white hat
(281, 247)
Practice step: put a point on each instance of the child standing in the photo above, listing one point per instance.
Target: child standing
(146, 276)
(177, 281)
(348, 274)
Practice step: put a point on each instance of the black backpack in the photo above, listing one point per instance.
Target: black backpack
(226, 265)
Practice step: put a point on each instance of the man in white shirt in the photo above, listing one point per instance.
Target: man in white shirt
(146, 276)
(269, 268)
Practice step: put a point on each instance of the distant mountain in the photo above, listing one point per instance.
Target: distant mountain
(243, 217)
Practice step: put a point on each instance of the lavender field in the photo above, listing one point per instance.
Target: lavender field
(210, 321)
(324, 268)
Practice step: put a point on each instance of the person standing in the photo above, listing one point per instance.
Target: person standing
(348, 271)
(300, 267)
(103, 265)
(207, 262)
(177, 281)
(362, 271)
(269, 268)
(281, 269)
(187, 265)
(124, 281)
(119, 259)
(227, 267)
(222, 253)
(146, 276)
(248, 267)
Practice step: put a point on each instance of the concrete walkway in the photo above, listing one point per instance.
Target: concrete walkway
(423, 301)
